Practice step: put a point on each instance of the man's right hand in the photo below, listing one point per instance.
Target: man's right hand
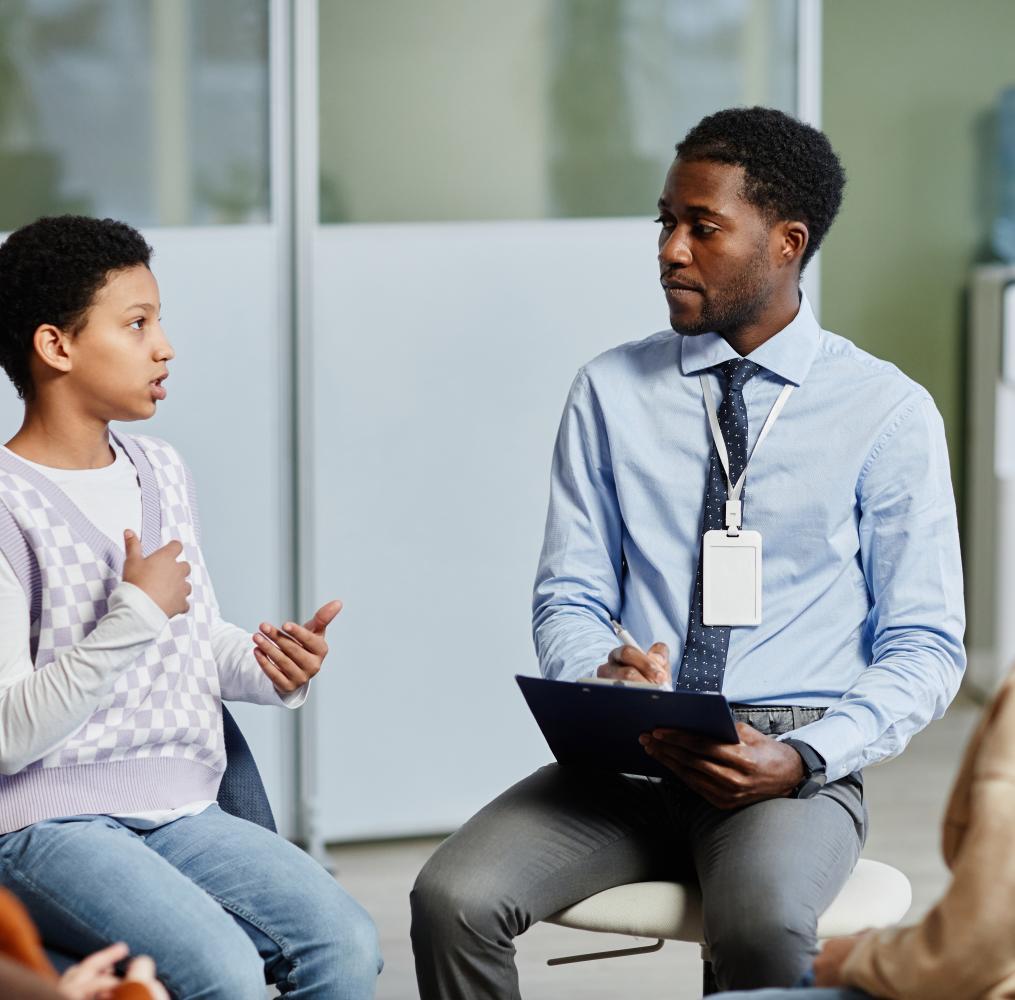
(625, 663)
(161, 576)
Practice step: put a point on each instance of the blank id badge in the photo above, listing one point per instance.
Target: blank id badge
(731, 578)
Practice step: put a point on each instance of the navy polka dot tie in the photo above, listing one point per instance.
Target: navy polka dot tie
(704, 660)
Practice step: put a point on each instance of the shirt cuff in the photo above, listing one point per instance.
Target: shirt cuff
(130, 596)
(836, 738)
(294, 699)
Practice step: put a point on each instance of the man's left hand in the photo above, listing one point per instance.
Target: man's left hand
(828, 965)
(290, 656)
(728, 775)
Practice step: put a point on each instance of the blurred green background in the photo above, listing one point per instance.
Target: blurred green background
(909, 91)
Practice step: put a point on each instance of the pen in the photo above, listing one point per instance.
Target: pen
(624, 636)
(628, 640)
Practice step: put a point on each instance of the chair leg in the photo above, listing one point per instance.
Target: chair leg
(618, 953)
(708, 983)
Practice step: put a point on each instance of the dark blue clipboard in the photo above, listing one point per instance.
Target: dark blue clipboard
(597, 725)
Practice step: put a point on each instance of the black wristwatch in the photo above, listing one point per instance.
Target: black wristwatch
(814, 770)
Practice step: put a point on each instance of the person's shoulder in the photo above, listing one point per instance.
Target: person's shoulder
(634, 357)
(157, 450)
(996, 734)
(866, 373)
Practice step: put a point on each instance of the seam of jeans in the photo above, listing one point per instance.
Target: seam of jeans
(13, 875)
(283, 945)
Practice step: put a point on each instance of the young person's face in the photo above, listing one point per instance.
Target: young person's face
(118, 359)
(718, 253)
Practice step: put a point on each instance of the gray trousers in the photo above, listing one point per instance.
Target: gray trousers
(766, 871)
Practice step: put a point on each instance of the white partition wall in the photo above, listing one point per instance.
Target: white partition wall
(443, 357)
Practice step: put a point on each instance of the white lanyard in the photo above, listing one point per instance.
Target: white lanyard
(733, 490)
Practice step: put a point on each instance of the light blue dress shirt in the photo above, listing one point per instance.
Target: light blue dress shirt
(851, 491)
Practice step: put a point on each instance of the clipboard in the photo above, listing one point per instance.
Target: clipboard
(597, 725)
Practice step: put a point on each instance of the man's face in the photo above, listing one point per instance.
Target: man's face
(119, 357)
(716, 249)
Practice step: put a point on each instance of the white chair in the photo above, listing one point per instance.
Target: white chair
(876, 895)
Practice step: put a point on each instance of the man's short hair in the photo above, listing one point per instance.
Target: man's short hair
(791, 170)
(50, 271)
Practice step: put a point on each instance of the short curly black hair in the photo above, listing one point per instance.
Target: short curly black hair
(791, 170)
(50, 271)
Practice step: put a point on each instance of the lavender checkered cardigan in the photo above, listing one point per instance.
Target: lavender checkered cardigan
(155, 741)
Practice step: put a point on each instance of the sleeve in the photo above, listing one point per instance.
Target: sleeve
(577, 587)
(909, 549)
(19, 938)
(39, 709)
(19, 983)
(965, 945)
(131, 991)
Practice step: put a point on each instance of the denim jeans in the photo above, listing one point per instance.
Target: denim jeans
(804, 994)
(218, 902)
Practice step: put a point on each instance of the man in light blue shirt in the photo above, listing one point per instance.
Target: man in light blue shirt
(860, 640)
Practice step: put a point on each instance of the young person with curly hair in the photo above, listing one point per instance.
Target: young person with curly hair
(859, 642)
(114, 659)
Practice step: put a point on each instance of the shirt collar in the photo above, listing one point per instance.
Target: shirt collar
(789, 354)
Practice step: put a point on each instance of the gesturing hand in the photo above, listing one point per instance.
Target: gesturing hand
(290, 656)
(728, 775)
(161, 576)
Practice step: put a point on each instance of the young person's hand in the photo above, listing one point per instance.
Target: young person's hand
(290, 656)
(728, 775)
(142, 970)
(93, 977)
(832, 957)
(161, 575)
(625, 663)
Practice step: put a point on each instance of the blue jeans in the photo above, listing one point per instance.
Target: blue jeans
(218, 902)
(812, 993)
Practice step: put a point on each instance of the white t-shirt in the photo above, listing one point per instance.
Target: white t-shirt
(41, 709)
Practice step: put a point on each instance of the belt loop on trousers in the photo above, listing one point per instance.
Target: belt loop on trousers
(797, 721)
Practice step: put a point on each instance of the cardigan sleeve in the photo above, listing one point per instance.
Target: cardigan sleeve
(965, 945)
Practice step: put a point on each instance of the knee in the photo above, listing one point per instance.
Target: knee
(242, 976)
(768, 947)
(447, 905)
(350, 936)
(359, 947)
(220, 970)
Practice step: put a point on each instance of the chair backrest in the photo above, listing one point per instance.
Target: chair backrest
(242, 792)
